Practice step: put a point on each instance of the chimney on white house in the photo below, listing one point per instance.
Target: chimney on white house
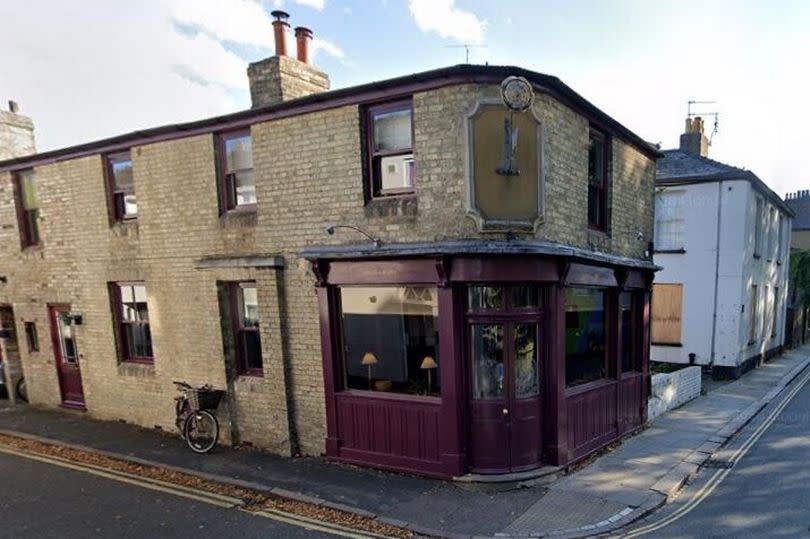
(693, 140)
(282, 77)
(16, 133)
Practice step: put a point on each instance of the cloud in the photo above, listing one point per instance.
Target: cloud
(445, 19)
(314, 4)
(322, 45)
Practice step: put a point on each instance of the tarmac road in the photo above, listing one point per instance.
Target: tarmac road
(42, 500)
(765, 494)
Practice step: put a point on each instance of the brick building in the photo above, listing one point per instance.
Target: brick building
(406, 274)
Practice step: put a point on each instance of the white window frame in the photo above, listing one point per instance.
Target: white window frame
(670, 223)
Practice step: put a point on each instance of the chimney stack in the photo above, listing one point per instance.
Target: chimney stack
(303, 37)
(693, 140)
(282, 78)
(16, 133)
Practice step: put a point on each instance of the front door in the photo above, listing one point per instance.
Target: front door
(504, 358)
(66, 356)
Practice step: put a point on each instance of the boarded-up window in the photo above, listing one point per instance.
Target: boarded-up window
(667, 311)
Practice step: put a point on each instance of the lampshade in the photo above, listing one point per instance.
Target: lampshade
(369, 359)
(429, 363)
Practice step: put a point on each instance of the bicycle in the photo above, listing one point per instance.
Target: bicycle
(196, 416)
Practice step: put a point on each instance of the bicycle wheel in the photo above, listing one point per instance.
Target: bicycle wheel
(201, 431)
(22, 391)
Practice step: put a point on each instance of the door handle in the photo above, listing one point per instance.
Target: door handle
(505, 411)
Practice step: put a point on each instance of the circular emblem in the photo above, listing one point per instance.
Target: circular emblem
(517, 93)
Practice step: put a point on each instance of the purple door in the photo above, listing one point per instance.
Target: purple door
(504, 361)
(66, 356)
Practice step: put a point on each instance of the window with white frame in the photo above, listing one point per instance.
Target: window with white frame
(779, 238)
(772, 224)
(758, 217)
(669, 221)
(753, 315)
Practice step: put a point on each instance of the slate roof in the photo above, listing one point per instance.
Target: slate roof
(801, 207)
(679, 167)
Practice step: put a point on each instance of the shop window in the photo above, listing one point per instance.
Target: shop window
(389, 136)
(31, 337)
(245, 320)
(597, 180)
(585, 336)
(236, 179)
(630, 326)
(667, 313)
(391, 339)
(122, 186)
(131, 315)
(669, 221)
(25, 189)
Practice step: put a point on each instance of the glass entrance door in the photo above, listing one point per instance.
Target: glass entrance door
(504, 359)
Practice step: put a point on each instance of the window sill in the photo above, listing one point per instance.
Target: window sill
(240, 210)
(400, 207)
(680, 251)
(138, 361)
(670, 344)
(599, 230)
(387, 395)
(33, 248)
(393, 193)
(251, 374)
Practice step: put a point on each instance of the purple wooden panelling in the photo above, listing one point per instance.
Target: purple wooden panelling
(402, 433)
(591, 418)
(630, 401)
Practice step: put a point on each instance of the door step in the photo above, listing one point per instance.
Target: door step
(544, 474)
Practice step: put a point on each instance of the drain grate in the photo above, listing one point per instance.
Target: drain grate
(719, 463)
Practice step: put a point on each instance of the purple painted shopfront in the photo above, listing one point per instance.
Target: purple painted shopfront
(484, 357)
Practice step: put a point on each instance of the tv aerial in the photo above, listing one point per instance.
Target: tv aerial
(716, 115)
(466, 47)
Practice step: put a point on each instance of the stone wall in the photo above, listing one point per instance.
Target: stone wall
(309, 173)
(671, 390)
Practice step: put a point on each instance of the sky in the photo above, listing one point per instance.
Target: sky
(90, 69)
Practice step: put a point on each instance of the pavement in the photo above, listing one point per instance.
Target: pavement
(617, 488)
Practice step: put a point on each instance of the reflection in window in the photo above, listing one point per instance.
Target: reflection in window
(486, 297)
(631, 333)
(237, 180)
(388, 335)
(132, 317)
(585, 357)
(487, 358)
(246, 328)
(125, 204)
(526, 382)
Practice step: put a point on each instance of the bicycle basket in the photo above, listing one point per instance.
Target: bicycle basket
(207, 399)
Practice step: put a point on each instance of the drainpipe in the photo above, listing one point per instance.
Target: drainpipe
(5, 334)
(716, 267)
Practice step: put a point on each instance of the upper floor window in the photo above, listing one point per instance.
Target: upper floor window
(773, 222)
(779, 238)
(131, 317)
(237, 184)
(753, 315)
(122, 186)
(25, 187)
(390, 148)
(597, 180)
(759, 216)
(669, 221)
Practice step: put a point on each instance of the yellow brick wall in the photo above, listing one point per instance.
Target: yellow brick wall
(308, 170)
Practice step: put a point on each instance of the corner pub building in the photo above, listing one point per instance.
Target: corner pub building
(443, 273)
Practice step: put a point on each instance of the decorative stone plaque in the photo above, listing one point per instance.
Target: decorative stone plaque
(505, 163)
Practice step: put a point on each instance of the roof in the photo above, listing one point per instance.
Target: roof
(472, 247)
(679, 167)
(801, 209)
(459, 74)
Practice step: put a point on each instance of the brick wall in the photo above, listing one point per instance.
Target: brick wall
(309, 173)
(671, 390)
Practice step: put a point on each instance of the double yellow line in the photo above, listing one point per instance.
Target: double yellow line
(719, 475)
(211, 498)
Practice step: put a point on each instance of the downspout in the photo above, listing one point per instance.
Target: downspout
(716, 267)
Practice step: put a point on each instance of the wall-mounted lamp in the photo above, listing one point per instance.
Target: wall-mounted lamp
(331, 231)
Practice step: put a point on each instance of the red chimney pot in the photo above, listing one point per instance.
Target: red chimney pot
(303, 37)
(280, 26)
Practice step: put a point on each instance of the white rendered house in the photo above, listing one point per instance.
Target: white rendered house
(722, 237)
